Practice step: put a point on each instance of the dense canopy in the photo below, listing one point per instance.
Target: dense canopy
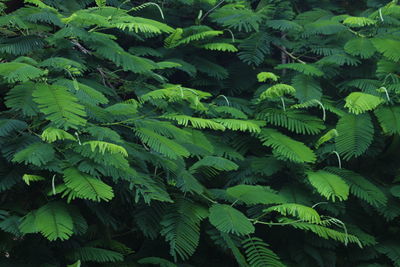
(200, 133)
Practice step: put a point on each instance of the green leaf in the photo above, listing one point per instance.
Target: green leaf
(329, 185)
(361, 187)
(52, 134)
(37, 154)
(87, 187)
(59, 105)
(229, 220)
(356, 133)
(361, 47)
(286, 147)
(388, 47)
(264, 76)
(19, 72)
(331, 134)
(277, 90)
(258, 254)
(53, 221)
(306, 69)
(218, 163)
(302, 212)
(105, 146)
(358, 102)
(358, 21)
(28, 178)
(389, 119)
(307, 88)
(181, 227)
(254, 194)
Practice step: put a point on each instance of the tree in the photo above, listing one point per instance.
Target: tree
(199, 132)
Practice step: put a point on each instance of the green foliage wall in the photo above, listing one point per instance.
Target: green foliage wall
(200, 132)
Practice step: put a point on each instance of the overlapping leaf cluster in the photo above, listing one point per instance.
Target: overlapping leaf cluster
(200, 132)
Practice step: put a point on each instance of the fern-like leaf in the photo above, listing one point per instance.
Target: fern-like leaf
(229, 220)
(358, 102)
(87, 187)
(52, 220)
(52, 134)
(59, 105)
(355, 134)
(329, 185)
(254, 194)
(389, 119)
(287, 148)
(181, 228)
(259, 255)
(299, 211)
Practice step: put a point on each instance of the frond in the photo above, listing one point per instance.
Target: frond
(37, 154)
(254, 194)
(323, 231)
(181, 228)
(306, 69)
(61, 63)
(28, 178)
(173, 39)
(254, 48)
(355, 135)
(59, 105)
(210, 68)
(217, 163)
(389, 119)
(264, 76)
(198, 123)
(361, 187)
(284, 25)
(161, 144)
(52, 134)
(241, 125)
(293, 120)
(87, 187)
(21, 45)
(225, 47)
(10, 225)
(277, 90)
(339, 59)
(237, 17)
(10, 126)
(358, 21)
(229, 220)
(306, 88)
(19, 99)
(199, 36)
(234, 112)
(331, 134)
(285, 147)
(388, 47)
(19, 72)
(392, 251)
(324, 27)
(299, 211)
(361, 47)
(92, 254)
(329, 185)
(52, 220)
(258, 254)
(83, 92)
(358, 102)
(105, 146)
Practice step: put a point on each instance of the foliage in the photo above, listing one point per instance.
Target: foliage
(199, 133)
